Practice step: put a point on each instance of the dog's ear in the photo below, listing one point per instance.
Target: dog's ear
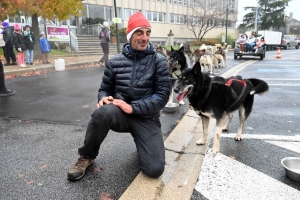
(181, 50)
(172, 48)
(197, 68)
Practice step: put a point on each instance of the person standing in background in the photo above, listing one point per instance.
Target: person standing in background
(29, 42)
(9, 44)
(19, 44)
(3, 90)
(104, 37)
(45, 48)
(2, 43)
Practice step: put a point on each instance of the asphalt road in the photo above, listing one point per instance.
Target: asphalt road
(251, 169)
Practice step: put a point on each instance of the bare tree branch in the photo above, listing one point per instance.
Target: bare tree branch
(206, 17)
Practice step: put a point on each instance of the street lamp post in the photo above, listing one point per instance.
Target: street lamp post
(117, 31)
(226, 22)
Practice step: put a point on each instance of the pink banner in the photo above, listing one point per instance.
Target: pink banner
(55, 33)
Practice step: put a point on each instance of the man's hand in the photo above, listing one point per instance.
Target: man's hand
(125, 107)
(105, 100)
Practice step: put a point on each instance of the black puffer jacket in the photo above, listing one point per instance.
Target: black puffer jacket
(19, 41)
(29, 44)
(139, 78)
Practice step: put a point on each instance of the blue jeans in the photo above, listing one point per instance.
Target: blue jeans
(29, 56)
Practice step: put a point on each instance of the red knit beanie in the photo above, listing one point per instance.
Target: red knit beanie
(136, 21)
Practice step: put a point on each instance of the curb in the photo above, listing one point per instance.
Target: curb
(183, 164)
(45, 68)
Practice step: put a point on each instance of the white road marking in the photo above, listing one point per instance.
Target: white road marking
(294, 138)
(284, 65)
(281, 79)
(296, 85)
(236, 69)
(222, 177)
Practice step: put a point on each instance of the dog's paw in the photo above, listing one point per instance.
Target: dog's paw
(200, 142)
(237, 138)
(181, 103)
(215, 150)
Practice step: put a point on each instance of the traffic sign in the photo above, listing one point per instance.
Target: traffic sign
(116, 20)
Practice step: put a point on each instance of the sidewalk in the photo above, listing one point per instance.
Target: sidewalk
(74, 61)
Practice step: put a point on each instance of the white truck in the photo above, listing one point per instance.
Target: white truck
(272, 38)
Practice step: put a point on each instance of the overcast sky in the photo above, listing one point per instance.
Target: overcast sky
(294, 6)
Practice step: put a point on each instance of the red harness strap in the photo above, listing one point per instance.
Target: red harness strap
(229, 82)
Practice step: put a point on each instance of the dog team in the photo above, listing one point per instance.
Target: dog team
(209, 56)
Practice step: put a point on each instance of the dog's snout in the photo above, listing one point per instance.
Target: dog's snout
(176, 89)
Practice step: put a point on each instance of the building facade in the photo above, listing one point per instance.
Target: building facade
(165, 15)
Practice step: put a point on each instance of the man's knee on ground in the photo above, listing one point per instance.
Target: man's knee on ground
(154, 170)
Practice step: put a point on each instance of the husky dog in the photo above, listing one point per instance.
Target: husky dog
(218, 58)
(218, 98)
(177, 63)
(195, 56)
(222, 51)
(161, 50)
(187, 48)
(206, 60)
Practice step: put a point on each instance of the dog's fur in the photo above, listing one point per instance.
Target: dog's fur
(212, 98)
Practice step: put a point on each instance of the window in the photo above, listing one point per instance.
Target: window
(128, 13)
(171, 18)
(176, 19)
(184, 2)
(179, 1)
(155, 16)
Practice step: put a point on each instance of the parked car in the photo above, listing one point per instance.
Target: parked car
(288, 41)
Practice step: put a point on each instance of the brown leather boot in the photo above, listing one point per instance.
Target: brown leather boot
(77, 171)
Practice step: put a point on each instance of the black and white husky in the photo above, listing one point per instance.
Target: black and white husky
(177, 62)
(217, 98)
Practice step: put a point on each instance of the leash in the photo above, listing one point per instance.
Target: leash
(229, 82)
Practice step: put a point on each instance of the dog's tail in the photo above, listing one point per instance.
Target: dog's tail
(259, 86)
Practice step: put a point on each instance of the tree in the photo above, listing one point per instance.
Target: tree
(61, 10)
(206, 17)
(271, 15)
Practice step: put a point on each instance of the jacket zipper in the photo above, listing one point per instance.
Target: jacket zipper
(133, 75)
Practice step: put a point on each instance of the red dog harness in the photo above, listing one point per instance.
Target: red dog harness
(229, 82)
